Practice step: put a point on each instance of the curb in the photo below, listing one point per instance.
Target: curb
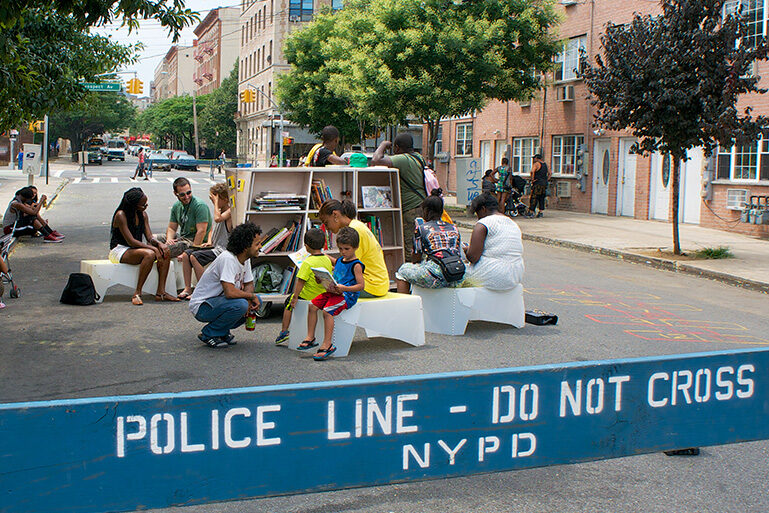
(654, 262)
(61, 186)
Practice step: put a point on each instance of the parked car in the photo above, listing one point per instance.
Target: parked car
(185, 161)
(133, 149)
(161, 155)
(94, 155)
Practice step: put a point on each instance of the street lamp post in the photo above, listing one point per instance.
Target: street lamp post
(275, 106)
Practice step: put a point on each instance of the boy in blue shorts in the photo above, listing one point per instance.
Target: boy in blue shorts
(348, 274)
(306, 287)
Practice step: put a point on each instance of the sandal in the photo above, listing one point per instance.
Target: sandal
(184, 295)
(137, 300)
(324, 354)
(165, 296)
(307, 344)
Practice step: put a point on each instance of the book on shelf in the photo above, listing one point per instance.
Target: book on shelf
(272, 242)
(319, 192)
(267, 201)
(325, 278)
(376, 196)
(329, 235)
(375, 225)
(281, 237)
(288, 279)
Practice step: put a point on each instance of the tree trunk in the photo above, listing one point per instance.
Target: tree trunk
(674, 193)
(432, 136)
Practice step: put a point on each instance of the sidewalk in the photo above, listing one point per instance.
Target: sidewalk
(13, 180)
(634, 240)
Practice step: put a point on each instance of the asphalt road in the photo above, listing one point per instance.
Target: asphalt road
(53, 351)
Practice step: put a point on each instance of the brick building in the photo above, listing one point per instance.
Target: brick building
(217, 50)
(558, 121)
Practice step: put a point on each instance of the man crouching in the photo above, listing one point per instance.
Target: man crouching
(225, 292)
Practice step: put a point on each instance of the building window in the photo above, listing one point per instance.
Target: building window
(439, 141)
(567, 62)
(524, 149)
(464, 140)
(749, 162)
(300, 10)
(753, 13)
(565, 153)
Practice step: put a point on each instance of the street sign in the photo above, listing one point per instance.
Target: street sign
(160, 450)
(106, 86)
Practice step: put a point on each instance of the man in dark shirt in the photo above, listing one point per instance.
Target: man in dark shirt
(325, 154)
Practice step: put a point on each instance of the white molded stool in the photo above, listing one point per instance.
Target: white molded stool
(447, 311)
(397, 316)
(105, 274)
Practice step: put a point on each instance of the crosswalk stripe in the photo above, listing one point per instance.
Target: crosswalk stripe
(153, 180)
(114, 180)
(76, 180)
(193, 181)
(96, 180)
(170, 180)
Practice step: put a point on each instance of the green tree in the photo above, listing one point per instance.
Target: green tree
(305, 93)
(170, 122)
(46, 49)
(216, 123)
(438, 58)
(674, 81)
(95, 114)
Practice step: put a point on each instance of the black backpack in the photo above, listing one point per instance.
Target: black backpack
(79, 290)
(451, 265)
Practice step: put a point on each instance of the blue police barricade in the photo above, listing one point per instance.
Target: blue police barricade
(153, 451)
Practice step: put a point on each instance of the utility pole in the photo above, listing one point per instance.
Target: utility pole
(195, 124)
(280, 112)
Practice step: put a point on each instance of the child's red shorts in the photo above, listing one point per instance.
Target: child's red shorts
(333, 304)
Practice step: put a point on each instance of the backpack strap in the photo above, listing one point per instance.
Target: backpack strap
(415, 190)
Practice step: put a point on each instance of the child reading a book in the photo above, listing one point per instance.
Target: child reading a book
(341, 292)
(306, 287)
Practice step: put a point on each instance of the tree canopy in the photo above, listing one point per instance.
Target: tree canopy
(171, 123)
(216, 122)
(390, 60)
(674, 81)
(95, 114)
(47, 50)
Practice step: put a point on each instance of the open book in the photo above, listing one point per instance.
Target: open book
(324, 277)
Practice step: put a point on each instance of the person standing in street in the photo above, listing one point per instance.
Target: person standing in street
(411, 167)
(140, 166)
(225, 293)
(540, 176)
(222, 158)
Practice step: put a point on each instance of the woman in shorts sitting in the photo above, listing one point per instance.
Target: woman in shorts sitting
(129, 224)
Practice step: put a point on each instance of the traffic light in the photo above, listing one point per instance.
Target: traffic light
(135, 86)
(288, 141)
(247, 96)
(37, 126)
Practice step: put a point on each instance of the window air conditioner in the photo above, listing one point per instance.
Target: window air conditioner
(294, 18)
(736, 199)
(563, 189)
(443, 157)
(525, 103)
(565, 93)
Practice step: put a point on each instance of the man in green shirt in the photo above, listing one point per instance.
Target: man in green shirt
(410, 165)
(190, 220)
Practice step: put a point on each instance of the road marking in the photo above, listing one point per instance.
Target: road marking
(193, 181)
(58, 173)
(153, 180)
(170, 180)
(77, 180)
(96, 180)
(114, 179)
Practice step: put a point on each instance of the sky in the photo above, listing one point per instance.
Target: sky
(157, 41)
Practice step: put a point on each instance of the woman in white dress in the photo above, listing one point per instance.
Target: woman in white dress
(495, 251)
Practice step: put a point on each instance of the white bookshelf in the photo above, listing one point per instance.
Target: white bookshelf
(246, 184)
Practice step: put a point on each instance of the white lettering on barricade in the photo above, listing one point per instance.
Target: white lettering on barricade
(407, 427)
(689, 386)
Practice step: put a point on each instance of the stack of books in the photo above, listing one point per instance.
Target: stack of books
(287, 285)
(287, 238)
(319, 192)
(375, 225)
(269, 201)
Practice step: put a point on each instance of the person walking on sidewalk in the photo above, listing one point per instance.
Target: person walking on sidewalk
(225, 292)
(540, 176)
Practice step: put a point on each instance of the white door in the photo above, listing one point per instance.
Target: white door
(691, 182)
(485, 155)
(659, 197)
(626, 179)
(499, 152)
(601, 168)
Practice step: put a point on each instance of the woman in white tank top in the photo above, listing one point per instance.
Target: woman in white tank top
(496, 249)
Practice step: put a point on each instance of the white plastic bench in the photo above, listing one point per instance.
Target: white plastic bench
(397, 316)
(105, 275)
(447, 311)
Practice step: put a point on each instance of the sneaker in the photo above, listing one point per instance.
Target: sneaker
(51, 238)
(2, 305)
(214, 342)
(229, 338)
(57, 234)
(282, 337)
(540, 214)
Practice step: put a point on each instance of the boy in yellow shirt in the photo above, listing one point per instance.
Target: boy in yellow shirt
(306, 287)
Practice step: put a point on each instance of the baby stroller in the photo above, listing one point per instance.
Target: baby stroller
(514, 206)
(6, 243)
